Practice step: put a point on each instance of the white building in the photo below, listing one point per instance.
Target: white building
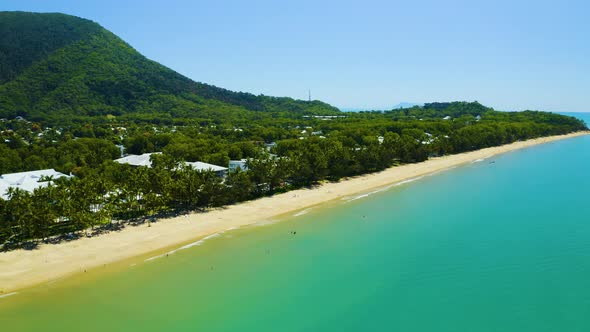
(270, 146)
(201, 166)
(145, 160)
(235, 164)
(137, 160)
(28, 181)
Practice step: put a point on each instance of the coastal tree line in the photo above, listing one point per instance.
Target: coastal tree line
(307, 151)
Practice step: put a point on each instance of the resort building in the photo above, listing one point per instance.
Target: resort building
(137, 160)
(145, 160)
(201, 166)
(28, 181)
(238, 164)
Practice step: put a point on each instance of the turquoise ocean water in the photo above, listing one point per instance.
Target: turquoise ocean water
(498, 245)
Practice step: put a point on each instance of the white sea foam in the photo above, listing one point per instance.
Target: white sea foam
(359, 197)
(230, 229)
(478, 160)
(366, 195)
(348, 199)
(401, 183)
(198, 243)
(300, 213)
(7, 295)
(190, 245)
(155, 257)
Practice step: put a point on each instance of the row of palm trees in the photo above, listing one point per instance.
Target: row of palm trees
(115, 193)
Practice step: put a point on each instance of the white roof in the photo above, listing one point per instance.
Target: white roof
(201, 166)
(144, 160)
(28, 181)
(137, 160)
(235, 164)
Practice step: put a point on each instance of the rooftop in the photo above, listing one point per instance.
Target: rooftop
(28, 181)
(144, 160)
(137, 160)
(201, 166)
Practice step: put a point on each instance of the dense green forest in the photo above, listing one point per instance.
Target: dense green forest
(308, 150)
(74, 97)
(56, 68)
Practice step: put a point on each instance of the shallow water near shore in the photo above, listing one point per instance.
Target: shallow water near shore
(502, 244)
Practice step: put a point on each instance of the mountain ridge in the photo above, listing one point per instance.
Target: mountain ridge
(80, 69)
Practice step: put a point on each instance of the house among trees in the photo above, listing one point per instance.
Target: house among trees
(145, 160)
(270, 146)
(137, 160)
(204, 167)
(238, 164)
(28, 181)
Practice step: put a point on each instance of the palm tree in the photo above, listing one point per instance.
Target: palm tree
(45, 213)
(20, 213)
(4, 229)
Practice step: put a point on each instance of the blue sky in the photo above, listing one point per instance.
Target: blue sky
(511, 55)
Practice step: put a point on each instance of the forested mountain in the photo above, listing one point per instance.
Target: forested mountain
(55, 67)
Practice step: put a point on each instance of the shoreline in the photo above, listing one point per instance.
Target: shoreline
(21, 269)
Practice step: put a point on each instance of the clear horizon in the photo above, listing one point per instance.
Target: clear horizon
(505, 54)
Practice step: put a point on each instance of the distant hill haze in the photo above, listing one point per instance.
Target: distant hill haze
(405, 105)
(59, 66)
(402, 105)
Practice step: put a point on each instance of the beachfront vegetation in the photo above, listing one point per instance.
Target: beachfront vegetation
(308, 150)
(85, 96)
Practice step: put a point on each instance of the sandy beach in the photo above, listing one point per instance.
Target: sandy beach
(21, 268)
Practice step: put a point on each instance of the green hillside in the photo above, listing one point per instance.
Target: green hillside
(55, 67)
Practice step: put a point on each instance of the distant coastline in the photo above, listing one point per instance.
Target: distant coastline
(401, 105)
(21, 268)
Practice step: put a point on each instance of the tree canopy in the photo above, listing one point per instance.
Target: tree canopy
(56, 67)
